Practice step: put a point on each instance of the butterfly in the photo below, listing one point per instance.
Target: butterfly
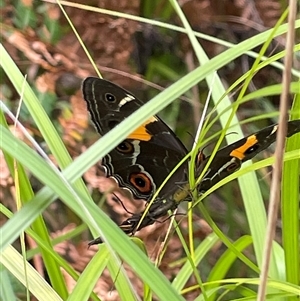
(141, 163)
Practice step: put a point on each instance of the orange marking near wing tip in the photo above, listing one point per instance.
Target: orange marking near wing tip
(141, 132)
(240, 151)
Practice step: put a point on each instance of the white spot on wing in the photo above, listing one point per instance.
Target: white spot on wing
(137, 151)
(275, 128)
(126, 99)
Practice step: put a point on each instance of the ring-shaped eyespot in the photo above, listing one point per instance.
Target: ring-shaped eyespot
(110, 97)
(141, 182)
(252, 149)
(125, 147)
(234, 166)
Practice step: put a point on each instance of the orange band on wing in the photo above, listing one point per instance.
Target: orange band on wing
(141, 133)
(240, 152)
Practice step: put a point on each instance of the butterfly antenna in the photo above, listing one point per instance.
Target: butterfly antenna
(117, 275)
(118, 200)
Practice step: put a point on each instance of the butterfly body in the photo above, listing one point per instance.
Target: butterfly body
(141, 163)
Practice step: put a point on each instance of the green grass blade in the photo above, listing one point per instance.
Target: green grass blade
(13, 261)
(116, 238)
(26, 194)
(290, 205)
(90, 275)
(186, 271)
